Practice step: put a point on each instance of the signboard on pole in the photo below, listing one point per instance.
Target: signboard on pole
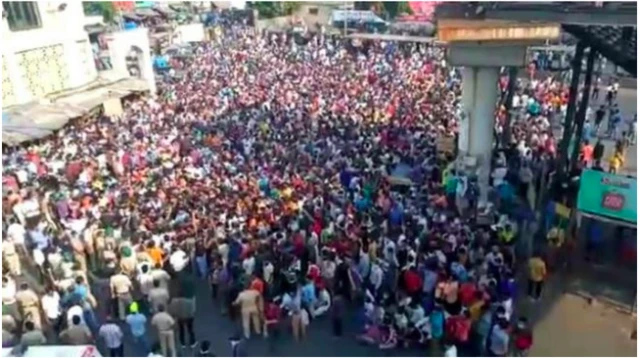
(609, 195)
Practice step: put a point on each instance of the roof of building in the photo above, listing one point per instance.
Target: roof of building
(35, 120)
(608, 27)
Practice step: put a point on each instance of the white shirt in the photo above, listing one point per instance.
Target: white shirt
(22, 176)
(162, 276)
(75, 311)
(452, 351)
(30, 208)
(376, 276)
(267, 272)
(38, 257)
(146, 282)
(9, 292)
(17, 233)
(178, 260)
(51, 305)
(248, 265)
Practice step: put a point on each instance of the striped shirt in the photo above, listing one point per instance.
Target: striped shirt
(112, 335)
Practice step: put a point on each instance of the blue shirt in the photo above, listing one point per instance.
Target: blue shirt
(81, 291)
(138, 324)
(396, 214)
(362, 204)
(308, 294)
(39, 239)
(437, 323)
(429, 281)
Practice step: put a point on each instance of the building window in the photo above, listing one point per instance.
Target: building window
(22, 15)
(313, 11)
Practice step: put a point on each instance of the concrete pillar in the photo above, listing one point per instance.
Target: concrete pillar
(479, 96)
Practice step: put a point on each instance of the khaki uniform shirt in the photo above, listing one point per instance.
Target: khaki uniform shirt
(163, 322)
(76, 335)
(159, 296)
(27, 298)
(120, 284)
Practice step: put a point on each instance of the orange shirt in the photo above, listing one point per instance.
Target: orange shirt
(587, 153)
(156, 255)
(257, 285)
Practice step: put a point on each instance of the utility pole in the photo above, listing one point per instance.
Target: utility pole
(571, 111)
(584, 104)
(511, 88)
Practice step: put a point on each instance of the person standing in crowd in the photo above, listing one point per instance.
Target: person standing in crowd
(183, 309)
(121, 293)
(251, 308)
(29, 304)
(537, 276)
(138, 326)
(10, 256)
(158, 296)
(164, 325)
(113, 337)
(77, 333)
(52, 309)
(32, 335)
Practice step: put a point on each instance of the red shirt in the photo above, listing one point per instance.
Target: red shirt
(467, 293)
(458, 327)
(523, 341)
(412, 281)
(272, 313)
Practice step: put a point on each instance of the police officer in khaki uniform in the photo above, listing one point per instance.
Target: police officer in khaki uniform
(88, 237)
(121, 291)
(10, 256)
(29, 304)
(128, 262)
(79, 254)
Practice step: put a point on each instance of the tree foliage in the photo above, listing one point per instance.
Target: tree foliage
(101, 8)
(388, 9)
(271, 9)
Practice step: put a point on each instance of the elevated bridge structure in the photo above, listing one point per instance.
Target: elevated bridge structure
(484, 36)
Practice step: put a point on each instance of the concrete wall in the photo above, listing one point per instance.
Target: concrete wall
(123, 44)
(304, 14)
(189, 33)
(54, 57)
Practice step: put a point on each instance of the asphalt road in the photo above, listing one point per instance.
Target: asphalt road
(211, 325)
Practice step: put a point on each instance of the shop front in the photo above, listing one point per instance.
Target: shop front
(607, 217)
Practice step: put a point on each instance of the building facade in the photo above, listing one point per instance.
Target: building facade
(45, 50)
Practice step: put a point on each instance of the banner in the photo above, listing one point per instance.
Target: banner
(112, 107)
(608, 195)
(446, 144)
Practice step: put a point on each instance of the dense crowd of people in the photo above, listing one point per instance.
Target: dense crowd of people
(271, 171)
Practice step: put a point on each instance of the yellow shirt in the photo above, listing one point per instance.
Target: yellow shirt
(286, 193)
(537, 269)
(475, 310)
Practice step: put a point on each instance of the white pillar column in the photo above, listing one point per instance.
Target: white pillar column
(479, 96)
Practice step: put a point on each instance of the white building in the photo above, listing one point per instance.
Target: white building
(45, 50)
(49, 73)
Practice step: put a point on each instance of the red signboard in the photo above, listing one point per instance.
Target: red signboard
(613, 201)
(124, 5)
(424, 9)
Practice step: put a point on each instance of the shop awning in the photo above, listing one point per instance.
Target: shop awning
(32, 121)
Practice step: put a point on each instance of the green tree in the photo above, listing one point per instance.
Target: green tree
(102, 8)
(393, 8)
(271, 9)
